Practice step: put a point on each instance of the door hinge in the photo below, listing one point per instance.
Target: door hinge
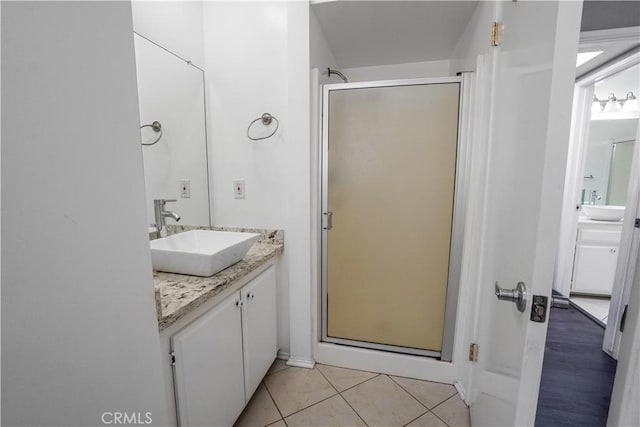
(637, 223)
(473, 352)
(173, 358)
(495, 34)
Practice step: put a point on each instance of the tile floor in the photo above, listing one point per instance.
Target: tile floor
(329, 396)
(596, 307)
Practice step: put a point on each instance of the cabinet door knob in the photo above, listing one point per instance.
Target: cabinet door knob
(613, 250)
(239, 303)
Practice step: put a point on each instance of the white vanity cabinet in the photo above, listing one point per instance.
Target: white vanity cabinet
(258, 329)
(208, 367)
(220, 357)
(596, 257)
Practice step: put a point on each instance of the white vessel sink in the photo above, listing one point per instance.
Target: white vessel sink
(603, 213)
(200, 252)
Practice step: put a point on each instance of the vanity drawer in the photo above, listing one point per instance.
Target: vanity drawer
(600, 236)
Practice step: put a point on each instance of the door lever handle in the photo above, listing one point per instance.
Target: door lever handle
(518, 295)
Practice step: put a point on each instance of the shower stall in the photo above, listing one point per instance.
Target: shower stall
(392, 214)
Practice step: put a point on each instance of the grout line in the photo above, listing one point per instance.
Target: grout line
(417, 379)
(432, 410)
(365, 381)
(448, 398)
(343, 398)
(327, 379)
(409, 393)
(443, 421)
(274, 403)
(354, 410)
(275, 372)
(419, 416)
(314, 404)
(349, 369)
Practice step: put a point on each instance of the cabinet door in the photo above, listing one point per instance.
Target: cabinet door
(594, 268)
(259, 328)
(208, 367)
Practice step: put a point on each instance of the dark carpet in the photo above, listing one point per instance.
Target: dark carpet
(577, 376)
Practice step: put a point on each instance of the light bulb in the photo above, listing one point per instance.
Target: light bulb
(630, 104)
(612, 104)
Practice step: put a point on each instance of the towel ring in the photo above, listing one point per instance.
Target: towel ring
(157, 128)
(266, 120)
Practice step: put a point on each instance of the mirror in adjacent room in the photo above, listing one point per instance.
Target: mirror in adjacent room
(171, 92)
(611, 140)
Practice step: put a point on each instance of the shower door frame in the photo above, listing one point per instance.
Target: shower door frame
(457, 226)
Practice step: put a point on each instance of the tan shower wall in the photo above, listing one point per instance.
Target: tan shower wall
(391, 174)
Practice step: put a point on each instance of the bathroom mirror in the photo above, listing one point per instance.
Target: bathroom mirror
(608, 163)
(171, 93)
(611, 139)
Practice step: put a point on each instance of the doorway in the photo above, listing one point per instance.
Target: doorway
(599, 193)
(390, 154)
(596, 246)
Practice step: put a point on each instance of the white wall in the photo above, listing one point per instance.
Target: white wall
(175, 25)
(79, 328)
(258, 69)
(473, 41)
(413, 70)
(321, 56)
(0, 220)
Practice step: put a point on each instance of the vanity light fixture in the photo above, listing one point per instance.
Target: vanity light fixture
(612, 104)
(614, 108)
(597, 106)
(630, 104)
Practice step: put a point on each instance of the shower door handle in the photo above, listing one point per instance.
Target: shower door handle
(518, 295)
(327, 220)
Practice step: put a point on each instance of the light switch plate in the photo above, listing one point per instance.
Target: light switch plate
(185, 188)
(238, 188)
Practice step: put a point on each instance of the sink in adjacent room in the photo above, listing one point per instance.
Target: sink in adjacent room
(603, 213)
(200, 252)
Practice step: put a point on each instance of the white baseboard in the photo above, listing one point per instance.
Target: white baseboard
(300, 363)
(284, 355)
(402, 365)
(461, 391)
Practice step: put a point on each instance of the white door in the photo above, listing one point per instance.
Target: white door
(208, 367)
(259, 328)
(529, 120)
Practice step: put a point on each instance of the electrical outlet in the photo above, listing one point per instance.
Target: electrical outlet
(238, 189)
(185, 188)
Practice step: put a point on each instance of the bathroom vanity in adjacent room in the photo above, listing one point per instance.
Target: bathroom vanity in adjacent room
(596, 255)
(218, 333)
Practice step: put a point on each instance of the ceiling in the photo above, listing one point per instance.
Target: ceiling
(365, 33)
(609, 51)
(602, 15)
(621, 83)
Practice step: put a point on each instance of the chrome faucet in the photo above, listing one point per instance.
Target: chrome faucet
(594, 197)
(161, 214)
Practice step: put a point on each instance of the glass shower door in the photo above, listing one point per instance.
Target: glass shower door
(389, 179)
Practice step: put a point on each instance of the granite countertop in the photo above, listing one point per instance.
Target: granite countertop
(179, 294)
